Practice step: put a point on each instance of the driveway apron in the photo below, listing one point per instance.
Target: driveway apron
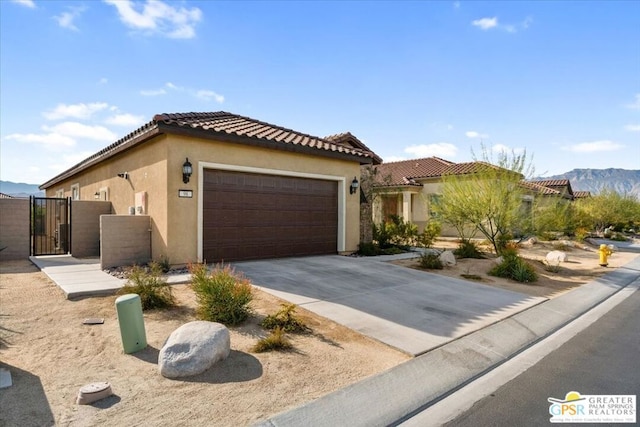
(411, 310)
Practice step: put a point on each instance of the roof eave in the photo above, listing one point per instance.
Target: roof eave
(102, 155)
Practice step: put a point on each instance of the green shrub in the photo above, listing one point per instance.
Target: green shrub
(223, 295)
(514, 267)
(285, 319)
(274, 341)
(431, 261)
(552, 268)
(618, 237)
(581, 234)
(393, 250)
(429, 234)
(153, 289)
(468, 249)
(163, 264)
(368, 249)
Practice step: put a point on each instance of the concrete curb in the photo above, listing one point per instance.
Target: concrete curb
(395, 395)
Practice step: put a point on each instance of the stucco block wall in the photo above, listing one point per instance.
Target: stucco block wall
(14, 229)
(124, 240)
(85, 227)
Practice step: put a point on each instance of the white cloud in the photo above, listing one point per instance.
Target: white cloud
(209, 95)
(456, 5)
(125, 120)
(51, 141)
(158, 17)
(79, 130)
(632, 128)
(485, 23)
(636, 104)
(594, 147)
(28, 3)
(153, 92)
(440, 149)
(76, 111)
(489, 23)
(103, 81)
(474, 134)
(65, 19)
(394, 159)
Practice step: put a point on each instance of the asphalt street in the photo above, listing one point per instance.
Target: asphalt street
(601, 360)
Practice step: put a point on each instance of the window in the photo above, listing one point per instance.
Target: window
(75, 192)
(60, 194)
(434, 200)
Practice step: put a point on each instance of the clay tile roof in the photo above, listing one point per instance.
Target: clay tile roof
(222, 122)
(540, 189)
(406, 171)
(347, 139)
(229, 127)
(557, 184)
(581, 194)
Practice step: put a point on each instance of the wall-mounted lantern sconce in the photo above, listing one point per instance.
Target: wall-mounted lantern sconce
(124, 175)
(96, 195)
(187, 170)
(354, 186)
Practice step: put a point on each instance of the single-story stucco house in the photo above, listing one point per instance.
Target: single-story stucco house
(222, 187)
(409, 189)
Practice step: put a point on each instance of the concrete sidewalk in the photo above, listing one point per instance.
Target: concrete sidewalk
(394, 396)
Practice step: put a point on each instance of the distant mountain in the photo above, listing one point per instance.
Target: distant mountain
(19, 189)
(623, 181)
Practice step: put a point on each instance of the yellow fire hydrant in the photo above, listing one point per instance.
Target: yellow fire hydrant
(604, 251)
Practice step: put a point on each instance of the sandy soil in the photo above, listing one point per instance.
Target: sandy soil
(51, 354)
(582, 267)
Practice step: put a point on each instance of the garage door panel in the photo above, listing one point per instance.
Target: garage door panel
(254, 216)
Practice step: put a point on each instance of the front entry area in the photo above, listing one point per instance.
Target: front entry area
(256, 216)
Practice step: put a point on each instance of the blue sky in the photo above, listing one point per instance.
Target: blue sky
(410, 79)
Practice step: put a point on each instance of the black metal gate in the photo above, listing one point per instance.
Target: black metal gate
(50, 226)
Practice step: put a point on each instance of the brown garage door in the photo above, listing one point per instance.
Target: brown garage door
(253, 216)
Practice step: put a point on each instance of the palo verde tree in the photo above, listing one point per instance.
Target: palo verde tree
(486, 196)
(608, 208)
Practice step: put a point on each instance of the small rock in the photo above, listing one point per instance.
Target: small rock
(556, 257)
(448, 258)
(193, 348)
(498, 260)
(93, 392)
(612, 248)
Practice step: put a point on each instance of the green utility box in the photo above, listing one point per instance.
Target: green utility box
(129, 310)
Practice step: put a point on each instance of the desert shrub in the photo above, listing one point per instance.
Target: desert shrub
(560, 245)
(618, 237)
(223, 295)
(514, 267)
(276, 340)
(368, 249)
(285, 319)
(431, 261)
(153, 289)
(581, 234)
(468, 249)
(429, 234)
(551, 267)
(163, 263)
(382, 235)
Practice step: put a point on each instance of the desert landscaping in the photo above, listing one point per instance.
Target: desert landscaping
(51, 354)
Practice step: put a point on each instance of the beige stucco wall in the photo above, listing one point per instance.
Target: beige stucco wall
(124, 240)
(155, 167)
(85, 227)
(14, 229)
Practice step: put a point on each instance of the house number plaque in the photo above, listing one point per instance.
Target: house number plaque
(185, 193)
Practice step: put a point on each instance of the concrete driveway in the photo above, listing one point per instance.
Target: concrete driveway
(411, 310)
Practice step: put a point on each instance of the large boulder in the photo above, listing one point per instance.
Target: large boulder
(448, 258)
(193, 348)
(556, 257)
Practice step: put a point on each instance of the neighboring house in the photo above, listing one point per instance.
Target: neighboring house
(410, 189)
(256, 190)
(5, 196)
(562, 186)
(581, 194)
